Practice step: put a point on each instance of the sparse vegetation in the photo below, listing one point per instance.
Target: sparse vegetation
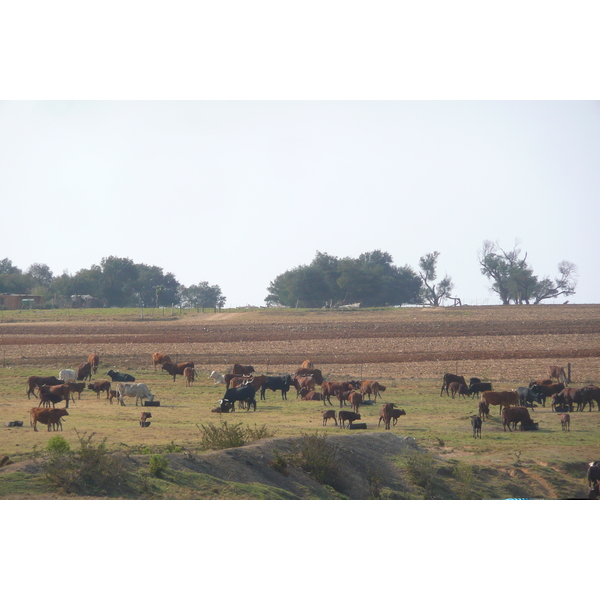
(158, 465)
(230, 436)
(318, 457)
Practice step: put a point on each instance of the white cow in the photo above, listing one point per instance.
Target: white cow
(137, 390)
(67, 375)
(217, 377)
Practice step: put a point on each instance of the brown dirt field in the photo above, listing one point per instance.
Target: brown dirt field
(514, 343)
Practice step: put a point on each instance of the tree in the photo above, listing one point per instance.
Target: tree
(433, 294)
(202, 295)
(41, 275)
(119, 276)
(514, 280)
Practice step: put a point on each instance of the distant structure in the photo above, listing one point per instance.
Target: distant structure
(20, 301)
(85, 301)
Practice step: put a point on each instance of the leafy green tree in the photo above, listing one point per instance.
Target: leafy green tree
(514, 281)
(151, 279)
(433, 293)
(202, 296)
(119, 276)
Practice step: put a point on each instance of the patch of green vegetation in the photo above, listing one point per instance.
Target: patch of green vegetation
(317, 457)
(20, 485)
(230, 436)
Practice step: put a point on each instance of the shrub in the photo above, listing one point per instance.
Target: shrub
(230, 436)
(279, 464)
(57, 445)
(421, 469)
(318, 457)
(158, 464)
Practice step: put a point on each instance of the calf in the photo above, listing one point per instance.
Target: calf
(329, 414)
(484, 410)
(113, 395)
(100, 386)
(448, 379)
(355, 399)
(385, 414)
(565, 421)
(47, 416)
(144, 417)
(347, 415)
(476, 424)
(454, 386)
(396, 414)
(189, 373)
(306, 395)
(76, 387)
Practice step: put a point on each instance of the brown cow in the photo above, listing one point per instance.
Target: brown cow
(84, 371)
(385, 414)
(306, 395)
(144, 417)
(102, 385)
(303, 383)
(514, 415)
(347, 415)
(158, 358)
(484, 410)
(36, 381)
(454, 388)
(189, 373)
(540, 382)
(396, 414)
(329, 414)
(448, 379)
(558, 373)
(501, 399)
(94, 361)
(307, 364)
(47, 416)
(113, 395)
(60, 390)
(333, 388)
(242, 370)
(590, 393)
(565, 421)
(76, 388)
(236, 382)
(314, 373)
(369, 387)
(355, 399)
(176, 369)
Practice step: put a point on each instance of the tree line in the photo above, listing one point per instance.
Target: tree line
(117, 282)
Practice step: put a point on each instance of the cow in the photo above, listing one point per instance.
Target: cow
(189, 373)
(244, 394)
(36, 381)
(347, 415)
(463, 391)
(100, 386)
(355, 399)
(454, 386)
(47, 399)
(176, 369)
(514, 415)
(306, 395)
(565, 398)
(238, 381)
(94, 361)
(316, 374)
(158, 358)
(333, 388)
(84, 371)
(484, 410)
(47, 416)
(133, 390)
(303, 383)
(558, 373)
(527, 397)
(559, 404)
(540, 382)
(476, 425)
(307, 364)
(144, 417)
(369, 387)
(385, 414)
(329, 414)
(60, 390)
(396, 414)
(589, 393)
(545, 391)
(76, 387)
(501, 399)
(474, 380)
(480, 386)
(67, 375)
(565, 421)
(216, 377)
(448, 379)
(112, 395)
(593, 474)
(238, 369)
(121, 377)
(276, 383)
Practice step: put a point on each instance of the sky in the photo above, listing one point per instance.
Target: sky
(236, 192)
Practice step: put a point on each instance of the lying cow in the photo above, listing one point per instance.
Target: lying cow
(217, 377)
(139, 391)
(116, 376)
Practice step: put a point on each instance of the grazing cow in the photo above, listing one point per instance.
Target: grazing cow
(301, 383)
(347, 415)
(241, 394)
(474, 380)
(176, 369)
(158, 358)
(501, 399)
(476, 424)
(242, 370)
(565, 421)
(593, 474)
(369, 387)
(558, 373)
(484, 410)
(144, 417)
(396, 414)
(76, 388)
(124, 377)
(307, 364)
(94, 361)
(385, 414)
(35, 381)
(67, 375)
(217, 377)
(314, 373)
(189, 373)
(329, 414)
(480, 386)
(306, 395)
(463, 391)
(276, 383)
(47, 416)
(100, 386)
(84, 371)
(545, 391)
(133, 390)
(454, 386)
(527, 397)
(60, 390)
(448, 379)
(514, 415)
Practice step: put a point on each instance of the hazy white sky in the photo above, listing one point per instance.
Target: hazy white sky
(237, 192)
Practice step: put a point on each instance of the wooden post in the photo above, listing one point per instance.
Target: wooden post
(568, 372)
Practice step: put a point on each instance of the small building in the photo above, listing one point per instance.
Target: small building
(85, 301)
(20, 301)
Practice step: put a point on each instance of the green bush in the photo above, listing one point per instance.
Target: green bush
(230, 436)
(279, 464)
(158, 465)
(318, 457)
(57, 445)
(421, 469)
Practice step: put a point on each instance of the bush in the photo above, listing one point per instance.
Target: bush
(421, 469)
(279, 464)
(158, 464)
(57, 445)
(318, 457)
(230, 436)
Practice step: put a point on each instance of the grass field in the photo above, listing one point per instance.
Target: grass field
(405, 349)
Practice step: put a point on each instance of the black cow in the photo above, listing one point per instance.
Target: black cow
(476, 424)
(448, 379)
(277, 383)
(116, 376)
(545, 391)
(244, 393)
(477, 387)
(593, 476)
